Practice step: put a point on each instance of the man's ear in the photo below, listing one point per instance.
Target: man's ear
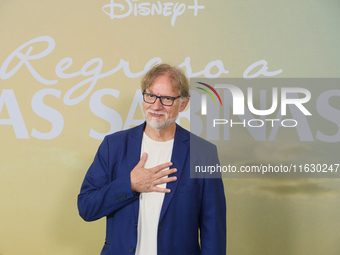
(184, 104)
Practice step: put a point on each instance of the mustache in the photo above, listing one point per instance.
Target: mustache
(157, 112)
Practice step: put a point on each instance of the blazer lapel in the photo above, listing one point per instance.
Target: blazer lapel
(180, 153)
(134, 145)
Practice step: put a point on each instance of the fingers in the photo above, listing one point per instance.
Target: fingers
(165, 180)
(156, 188)
(146, 180)
(161, 167)
(161, 190)
(161, 174)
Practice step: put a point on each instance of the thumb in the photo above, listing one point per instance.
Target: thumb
(143, 159)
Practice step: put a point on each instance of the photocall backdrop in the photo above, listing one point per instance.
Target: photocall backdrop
(70, 74)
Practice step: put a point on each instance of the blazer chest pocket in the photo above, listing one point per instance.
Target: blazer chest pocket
(189, 188)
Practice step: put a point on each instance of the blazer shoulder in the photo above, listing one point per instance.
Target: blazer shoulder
(124, 134)
(196, 142)
(199, 142)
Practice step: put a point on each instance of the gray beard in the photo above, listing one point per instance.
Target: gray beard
(159, 126)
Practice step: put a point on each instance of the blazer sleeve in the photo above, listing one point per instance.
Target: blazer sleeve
(101, 193)
(213, 232)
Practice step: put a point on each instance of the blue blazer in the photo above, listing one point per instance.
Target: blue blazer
(193, 204)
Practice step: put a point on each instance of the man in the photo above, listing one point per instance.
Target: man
(140, 180)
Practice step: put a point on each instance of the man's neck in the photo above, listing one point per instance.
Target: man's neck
(162, 135)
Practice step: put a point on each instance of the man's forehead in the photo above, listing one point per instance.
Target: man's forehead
(162, 88)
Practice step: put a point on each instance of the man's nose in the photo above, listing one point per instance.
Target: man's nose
(157, 104)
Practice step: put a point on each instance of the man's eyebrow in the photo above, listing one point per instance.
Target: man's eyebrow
(160, 96)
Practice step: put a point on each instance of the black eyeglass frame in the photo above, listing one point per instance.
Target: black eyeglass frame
(160, 98)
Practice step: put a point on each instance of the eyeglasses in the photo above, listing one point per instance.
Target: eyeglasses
(165, 100)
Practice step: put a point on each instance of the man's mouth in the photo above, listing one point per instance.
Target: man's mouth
(156, 114)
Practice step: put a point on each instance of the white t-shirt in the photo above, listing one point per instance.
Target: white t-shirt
(150, 203)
